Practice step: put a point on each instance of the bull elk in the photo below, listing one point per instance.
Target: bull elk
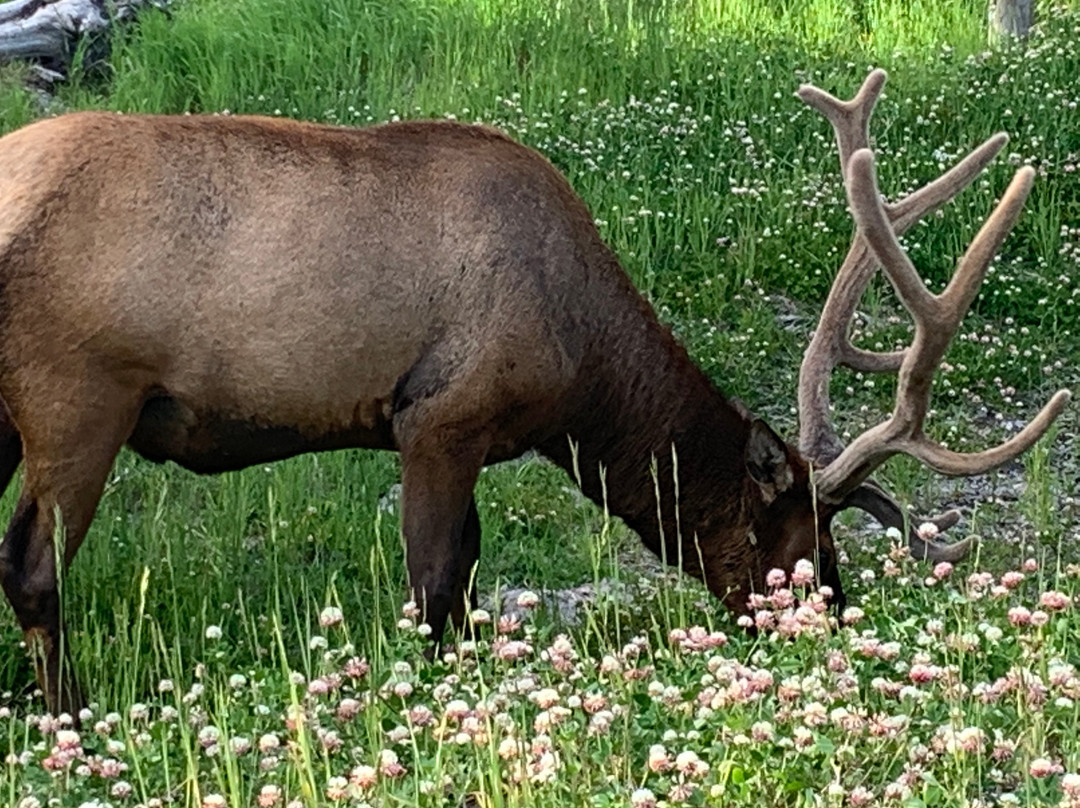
(224, 291)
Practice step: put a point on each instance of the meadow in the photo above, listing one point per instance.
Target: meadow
(243, 638)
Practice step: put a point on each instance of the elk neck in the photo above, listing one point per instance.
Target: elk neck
(641, 395)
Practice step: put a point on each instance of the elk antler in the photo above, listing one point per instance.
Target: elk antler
(844, 472)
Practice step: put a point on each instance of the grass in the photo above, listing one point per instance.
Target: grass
(676, 122)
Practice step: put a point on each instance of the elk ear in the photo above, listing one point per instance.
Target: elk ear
(767, 461)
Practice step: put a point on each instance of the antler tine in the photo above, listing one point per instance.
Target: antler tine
(831, 344)
(936, 320)
(850, 119)
(871, 498)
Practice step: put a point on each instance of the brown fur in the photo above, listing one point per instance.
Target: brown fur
(224, 291)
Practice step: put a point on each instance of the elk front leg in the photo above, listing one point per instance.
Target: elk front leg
(67, 463)
(464, 602)
(10, 448)
(441, 529)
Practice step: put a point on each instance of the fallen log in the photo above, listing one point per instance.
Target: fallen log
(48, 32)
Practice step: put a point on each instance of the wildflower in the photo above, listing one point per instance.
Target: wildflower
(776, 578)
(68, 741)
(803, 574)
(1004, 748)
(1030, 565)
(643, 798)
(356, 668)
(208, 736)
(690, 765)
(410, 610)
(330, 617)
(269, 796)
(268, 743)
(337, 788)
(561, 654)
(927, 531)
(600, 723)
(921, 674)
(782, 599)
(681, 792)
(508, 624)
(943, 570)
(1070, 785)
(860, 796)
(214, 801)
(1054, 601)
(545, 698)
(389, 765)
(458, 709)
(897, 792)
(240, 745)
(756, 601)
(762, 732)
(111, 767)
(836, 662)
(1012, 579)
(1041, 767)
(658, 759)
(544, 768)
(814, 714)
(364, 777)
(213, 633)
(348, 709)
(1019, 616)
(527, 600)
(1039, 618)
(852, 615)
(121, 789)
(971, 739)
(803, 738)
(480, 617)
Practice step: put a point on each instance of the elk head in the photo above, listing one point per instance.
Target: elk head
(842, 474)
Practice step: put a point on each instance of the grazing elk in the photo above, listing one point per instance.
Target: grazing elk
(224, 291)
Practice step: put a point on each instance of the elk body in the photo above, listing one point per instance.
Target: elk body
(224, 291)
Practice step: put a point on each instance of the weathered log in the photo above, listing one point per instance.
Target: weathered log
(48, 31)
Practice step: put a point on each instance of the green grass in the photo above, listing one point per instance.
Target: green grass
(676, 121)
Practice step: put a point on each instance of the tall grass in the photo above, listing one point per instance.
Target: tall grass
(313, 57)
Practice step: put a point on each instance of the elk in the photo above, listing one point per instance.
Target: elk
(225, 291)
